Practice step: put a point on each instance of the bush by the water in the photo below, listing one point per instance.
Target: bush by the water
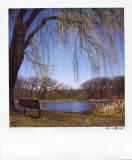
(115, 109)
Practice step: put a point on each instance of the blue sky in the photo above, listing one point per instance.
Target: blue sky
(63, 70)
(62, 60)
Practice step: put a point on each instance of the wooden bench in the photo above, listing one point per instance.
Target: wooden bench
(30, 103)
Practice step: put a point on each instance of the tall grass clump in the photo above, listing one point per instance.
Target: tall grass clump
(116, 109)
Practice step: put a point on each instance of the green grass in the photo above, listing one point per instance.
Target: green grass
(62, 119)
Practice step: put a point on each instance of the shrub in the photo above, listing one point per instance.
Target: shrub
(116, 109)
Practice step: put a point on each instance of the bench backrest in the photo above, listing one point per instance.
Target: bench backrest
(29, 103)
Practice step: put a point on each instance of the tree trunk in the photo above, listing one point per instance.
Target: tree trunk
(11, 99)
(16, 51)
(16, 55)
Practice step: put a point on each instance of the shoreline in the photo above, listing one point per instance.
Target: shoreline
(78, 100)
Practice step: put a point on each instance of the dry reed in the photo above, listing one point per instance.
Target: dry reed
(116, 109)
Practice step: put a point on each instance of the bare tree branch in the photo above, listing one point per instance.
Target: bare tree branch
(21, 15)
(33, 15)
(27, 42)
(10, 10)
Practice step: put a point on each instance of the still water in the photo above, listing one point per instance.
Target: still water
(78, 106)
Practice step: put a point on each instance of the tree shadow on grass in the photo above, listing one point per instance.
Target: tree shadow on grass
(29, 114)
(37, 117)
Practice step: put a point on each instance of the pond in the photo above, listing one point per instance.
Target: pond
(79, 106)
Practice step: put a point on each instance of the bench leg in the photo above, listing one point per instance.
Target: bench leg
(24, 110)
(39, 113)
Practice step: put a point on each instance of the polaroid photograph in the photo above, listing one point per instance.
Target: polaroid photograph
(66, 80)
(66, 67)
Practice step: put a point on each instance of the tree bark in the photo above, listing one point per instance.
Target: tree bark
(18, 45)
(16, 55)
(11, 98)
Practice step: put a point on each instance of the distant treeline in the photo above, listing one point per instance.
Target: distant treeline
(48, 89)
(103, 87)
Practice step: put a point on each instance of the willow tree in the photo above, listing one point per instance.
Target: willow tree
(92, 32)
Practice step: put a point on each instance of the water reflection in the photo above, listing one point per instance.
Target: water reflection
(68, 106)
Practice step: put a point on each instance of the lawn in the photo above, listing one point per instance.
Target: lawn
(63, 119)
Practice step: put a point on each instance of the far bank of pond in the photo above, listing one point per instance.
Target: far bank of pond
(73, 100)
